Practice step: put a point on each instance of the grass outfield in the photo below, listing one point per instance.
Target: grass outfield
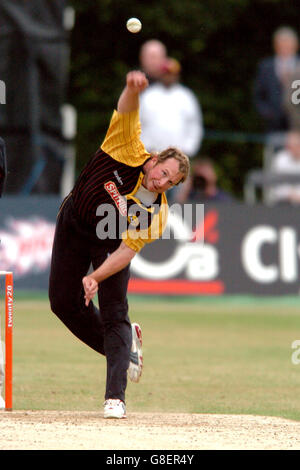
(208, 355)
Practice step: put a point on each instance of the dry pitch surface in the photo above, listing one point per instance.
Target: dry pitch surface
(52, 430)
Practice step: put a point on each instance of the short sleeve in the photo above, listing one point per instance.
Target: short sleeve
(122, 141)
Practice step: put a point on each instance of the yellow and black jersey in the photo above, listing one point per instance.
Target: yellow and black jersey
(114, 176)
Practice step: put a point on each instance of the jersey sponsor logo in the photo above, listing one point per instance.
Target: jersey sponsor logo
(119, 200)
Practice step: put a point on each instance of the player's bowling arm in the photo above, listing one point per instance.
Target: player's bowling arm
(136, 82)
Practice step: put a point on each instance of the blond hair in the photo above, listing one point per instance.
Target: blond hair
(183, 160)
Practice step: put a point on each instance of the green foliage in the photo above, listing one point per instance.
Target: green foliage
(219, 44)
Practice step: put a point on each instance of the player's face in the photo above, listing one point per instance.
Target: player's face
(162, 176)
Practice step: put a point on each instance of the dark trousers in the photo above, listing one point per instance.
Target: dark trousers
(107, 330)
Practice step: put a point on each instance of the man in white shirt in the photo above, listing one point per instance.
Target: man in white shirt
(170, 114)
(152, 54)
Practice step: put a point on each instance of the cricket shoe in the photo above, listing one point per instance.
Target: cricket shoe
(136, 354)
(114, 408)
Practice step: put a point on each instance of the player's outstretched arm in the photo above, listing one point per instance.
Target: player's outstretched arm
(113, 264)
(136, 82)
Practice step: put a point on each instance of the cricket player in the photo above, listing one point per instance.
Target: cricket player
(118, 204)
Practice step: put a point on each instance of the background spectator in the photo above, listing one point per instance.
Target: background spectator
(152, 55)
(287, 162)
(202, 185)
(170, 113)
(291, 102)
(273, 77)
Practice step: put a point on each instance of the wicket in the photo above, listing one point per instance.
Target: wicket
(8, 337)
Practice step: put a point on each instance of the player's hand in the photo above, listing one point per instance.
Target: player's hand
(90, 288)
(136, 81)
